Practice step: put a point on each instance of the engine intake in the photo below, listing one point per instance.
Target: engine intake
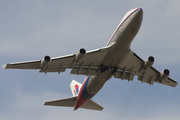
(80, 54)
(45, 61)
(149, 62)
(164, 74)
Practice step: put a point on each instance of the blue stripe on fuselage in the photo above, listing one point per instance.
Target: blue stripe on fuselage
(85, 94)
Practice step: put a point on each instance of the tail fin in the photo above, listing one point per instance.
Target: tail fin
(70, 102)
(75, 87)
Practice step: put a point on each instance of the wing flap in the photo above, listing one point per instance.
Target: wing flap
(55, 69)
(127, 75)
(84, 71)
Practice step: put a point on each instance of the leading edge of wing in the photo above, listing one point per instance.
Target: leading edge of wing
(23, 65)
(133, 65)
(34, 64)
(67, 60)
(154, 72)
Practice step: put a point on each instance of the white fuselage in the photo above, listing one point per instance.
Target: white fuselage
(120, 45)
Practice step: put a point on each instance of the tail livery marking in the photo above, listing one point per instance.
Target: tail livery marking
(76, 89)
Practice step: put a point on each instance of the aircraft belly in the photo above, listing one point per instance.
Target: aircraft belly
(122, 39)
(92, 85)
(118, 52)
(97, 81)
(114, 57)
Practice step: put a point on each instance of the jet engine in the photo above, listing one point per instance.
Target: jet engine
(149, 62)
(45, 61)
(80, 54)
(164, 74)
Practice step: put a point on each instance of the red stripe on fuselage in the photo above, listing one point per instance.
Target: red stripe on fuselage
(80, 100)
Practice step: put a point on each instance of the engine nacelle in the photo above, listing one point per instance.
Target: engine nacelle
(80, 54)
(149, 62)
(164, 74)
(45, 61)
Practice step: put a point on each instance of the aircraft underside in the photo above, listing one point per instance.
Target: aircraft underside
(114, 60)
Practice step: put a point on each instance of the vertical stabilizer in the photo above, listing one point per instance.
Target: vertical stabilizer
(75, 87)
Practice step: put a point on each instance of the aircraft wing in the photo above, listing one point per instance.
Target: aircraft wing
(87, 65)
(133, 65)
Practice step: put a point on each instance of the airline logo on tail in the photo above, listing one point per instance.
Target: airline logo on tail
(76, 89)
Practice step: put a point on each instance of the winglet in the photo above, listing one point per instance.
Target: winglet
(4, 66)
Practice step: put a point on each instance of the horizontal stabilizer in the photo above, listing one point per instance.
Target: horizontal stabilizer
(92, 105)
(70, 102)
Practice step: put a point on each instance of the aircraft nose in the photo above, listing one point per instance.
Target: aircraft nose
(139, 12)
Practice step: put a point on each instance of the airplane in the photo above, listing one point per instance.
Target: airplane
(116, 60)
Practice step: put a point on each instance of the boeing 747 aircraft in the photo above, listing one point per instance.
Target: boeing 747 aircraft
(116, 60)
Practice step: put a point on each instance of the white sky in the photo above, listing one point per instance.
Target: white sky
(32, 29)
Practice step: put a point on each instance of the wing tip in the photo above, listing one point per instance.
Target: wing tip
(4, 66)
(45, 103)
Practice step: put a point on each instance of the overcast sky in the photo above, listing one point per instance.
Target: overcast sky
(31, 29)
